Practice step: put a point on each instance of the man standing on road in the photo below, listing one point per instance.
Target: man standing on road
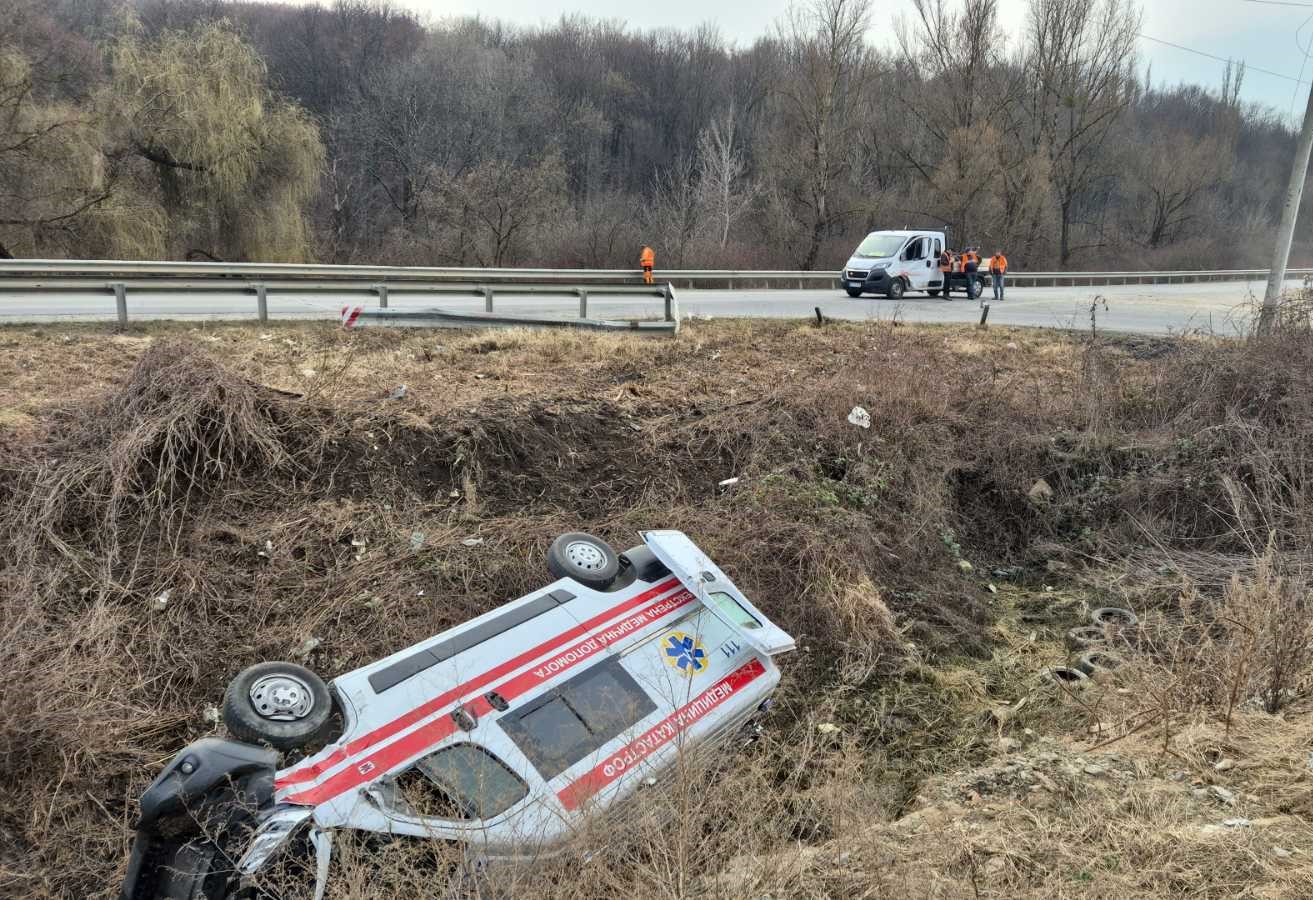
(970, 265)
(647, 259)
(946, 269)
(998, 269)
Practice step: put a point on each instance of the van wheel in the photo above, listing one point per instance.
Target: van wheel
(277, 703)
(854, 292)
(933, 292)
(896, 289)
(584, 558)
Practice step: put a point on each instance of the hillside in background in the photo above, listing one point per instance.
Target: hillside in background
(349, 131)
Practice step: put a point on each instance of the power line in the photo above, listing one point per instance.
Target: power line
(1248, 67)
(1281, 3)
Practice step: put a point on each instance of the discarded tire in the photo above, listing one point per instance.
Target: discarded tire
(1065, 676)
(1097, 662)
(277, 703)
(1086, 637)
(1115, 617)
(588, 560)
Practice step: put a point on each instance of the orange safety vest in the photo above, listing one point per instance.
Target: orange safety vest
(998, 264)
(647, 259)
(945, 262)
(969, 257)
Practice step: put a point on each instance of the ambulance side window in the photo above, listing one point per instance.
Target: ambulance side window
(465, 782)
(561, 727)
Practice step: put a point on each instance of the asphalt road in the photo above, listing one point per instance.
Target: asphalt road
(1216, 307)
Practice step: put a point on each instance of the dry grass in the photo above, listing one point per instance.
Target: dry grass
(175, 460)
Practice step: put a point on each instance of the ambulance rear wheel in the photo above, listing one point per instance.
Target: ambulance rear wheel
(277, 703)
(584, 558)
(854, 292)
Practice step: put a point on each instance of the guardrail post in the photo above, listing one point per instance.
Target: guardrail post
(382, 290)
(487, 299)
(261, 303)
(669, 294)
(583, 302)
(121, 303)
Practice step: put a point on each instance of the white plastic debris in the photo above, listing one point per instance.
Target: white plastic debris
(473, 542)
(397, 392)
(158, 603)
(728, 482)
(860, 417)
(416, 540)
(308, 646)
(827, 728)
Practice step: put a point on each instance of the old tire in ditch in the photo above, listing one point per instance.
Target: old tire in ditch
(1066, 677)
(1098, 662)
(277, 703)
(1087, 637)
(1114, 616)
(584, 558)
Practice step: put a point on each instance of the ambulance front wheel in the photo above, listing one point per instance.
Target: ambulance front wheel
(277, 703)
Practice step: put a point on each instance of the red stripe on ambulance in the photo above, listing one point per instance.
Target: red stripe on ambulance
(419, 740)
(424, 710)
(656, 737)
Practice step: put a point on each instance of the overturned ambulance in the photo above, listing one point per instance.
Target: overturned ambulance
(498, 735)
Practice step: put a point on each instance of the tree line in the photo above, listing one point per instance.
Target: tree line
(349, 131)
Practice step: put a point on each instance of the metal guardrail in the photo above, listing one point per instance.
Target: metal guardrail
(121, 277)
(13, 272)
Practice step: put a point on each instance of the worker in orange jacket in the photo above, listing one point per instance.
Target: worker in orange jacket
(998, 269)
(945, 268)
(647, 259)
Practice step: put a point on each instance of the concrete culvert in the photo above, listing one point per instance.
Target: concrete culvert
(1114, 616)
(1065, 676)
(1095, 662)
(1087, 636)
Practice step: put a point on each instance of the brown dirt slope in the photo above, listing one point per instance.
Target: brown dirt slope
(180, 502)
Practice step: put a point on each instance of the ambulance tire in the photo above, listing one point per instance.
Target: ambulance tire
(896, 289)
(854, 292)
(282, 729)
(583, 558)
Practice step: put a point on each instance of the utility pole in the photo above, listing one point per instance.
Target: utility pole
(1276, 277)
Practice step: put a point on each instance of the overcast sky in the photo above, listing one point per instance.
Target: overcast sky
(1262, 33)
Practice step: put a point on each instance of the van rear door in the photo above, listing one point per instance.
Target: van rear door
(716, 591)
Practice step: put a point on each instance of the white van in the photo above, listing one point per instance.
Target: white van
(894, 262)
(498, 734)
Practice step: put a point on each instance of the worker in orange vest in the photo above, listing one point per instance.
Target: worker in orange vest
(998, 269)
(945, 268)
(647, 259)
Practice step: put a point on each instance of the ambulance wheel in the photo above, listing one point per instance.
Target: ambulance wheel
(854, 292)
(277, 703)
(896, 288)
(584, 558)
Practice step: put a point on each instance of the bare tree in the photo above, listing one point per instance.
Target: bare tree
(725, 194)
(1081, 60)
(822, 99)
(675, 211)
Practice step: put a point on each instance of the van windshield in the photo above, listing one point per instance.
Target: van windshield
(877, 246)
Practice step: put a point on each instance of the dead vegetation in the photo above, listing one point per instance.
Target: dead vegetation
(184, 502)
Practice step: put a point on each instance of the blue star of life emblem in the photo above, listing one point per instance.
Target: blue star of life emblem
(685, 653)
